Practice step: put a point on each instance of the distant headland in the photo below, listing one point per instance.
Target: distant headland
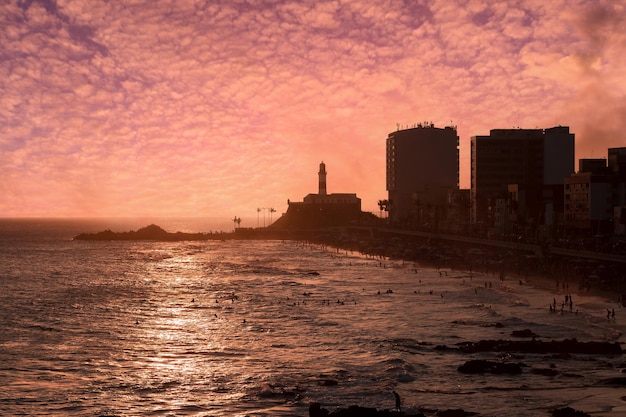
(156, 233)
(151, 232)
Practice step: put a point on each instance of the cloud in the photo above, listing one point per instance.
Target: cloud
(160, 108)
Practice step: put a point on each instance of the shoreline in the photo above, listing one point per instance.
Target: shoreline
(578, 275)
(543, 274)
(594, 300)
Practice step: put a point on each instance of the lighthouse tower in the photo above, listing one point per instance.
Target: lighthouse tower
(322, 179)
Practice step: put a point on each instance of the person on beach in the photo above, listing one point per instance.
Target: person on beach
(398, 401)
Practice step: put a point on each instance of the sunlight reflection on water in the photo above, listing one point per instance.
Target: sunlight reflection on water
(245, 328)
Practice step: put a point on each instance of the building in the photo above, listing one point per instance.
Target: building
(323, 209)
(588, 206)
(520, 172)
(595, 197)
(617, 162)
(422, 168)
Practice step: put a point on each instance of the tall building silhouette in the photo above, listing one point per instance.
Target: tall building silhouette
(422, 168)
(517, 175)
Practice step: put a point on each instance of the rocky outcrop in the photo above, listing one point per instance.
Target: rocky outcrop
(536, 346)
(523, 333)
(152, 232)
(568, 412)
(315, 410)
(544, 371)
(479, 366)
(613, 382)
(456, 412)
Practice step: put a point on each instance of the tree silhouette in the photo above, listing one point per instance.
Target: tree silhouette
(271, 211)
(384, 206)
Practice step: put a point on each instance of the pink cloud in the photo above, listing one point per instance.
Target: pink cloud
(159, 108)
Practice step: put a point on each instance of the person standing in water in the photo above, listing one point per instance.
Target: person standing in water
(398, 401)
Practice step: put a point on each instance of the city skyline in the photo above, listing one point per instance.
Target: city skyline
(217, 108)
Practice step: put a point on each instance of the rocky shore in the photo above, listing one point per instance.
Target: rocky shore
(567, 346)
(315, 410)
(561, 349)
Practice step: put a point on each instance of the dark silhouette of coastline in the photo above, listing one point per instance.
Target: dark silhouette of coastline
(151, 232)
(156, 233)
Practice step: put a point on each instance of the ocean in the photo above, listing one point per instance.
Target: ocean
(264, 328)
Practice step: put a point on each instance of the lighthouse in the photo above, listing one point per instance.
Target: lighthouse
(322, 179)
(323, 209)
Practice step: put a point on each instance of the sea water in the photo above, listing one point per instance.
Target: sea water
(264, 328)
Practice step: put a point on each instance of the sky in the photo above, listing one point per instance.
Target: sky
(193, 108)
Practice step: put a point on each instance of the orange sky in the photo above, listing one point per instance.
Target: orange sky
(215, 108)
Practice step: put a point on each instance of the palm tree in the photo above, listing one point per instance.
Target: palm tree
(258, 213)
(271, 211)
(384, 206)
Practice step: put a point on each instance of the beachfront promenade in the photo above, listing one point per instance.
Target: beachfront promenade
(538, 250)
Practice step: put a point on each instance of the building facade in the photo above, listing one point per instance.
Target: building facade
(595, 197)
(422, 169)
(536, 161)
(588, 205)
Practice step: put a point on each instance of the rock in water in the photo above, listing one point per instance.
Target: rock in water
(568, 412)
(479, 366)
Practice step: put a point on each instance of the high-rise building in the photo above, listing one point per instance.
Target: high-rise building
(422, 168)
(617, 165)
(617, 162)
(534, 161)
